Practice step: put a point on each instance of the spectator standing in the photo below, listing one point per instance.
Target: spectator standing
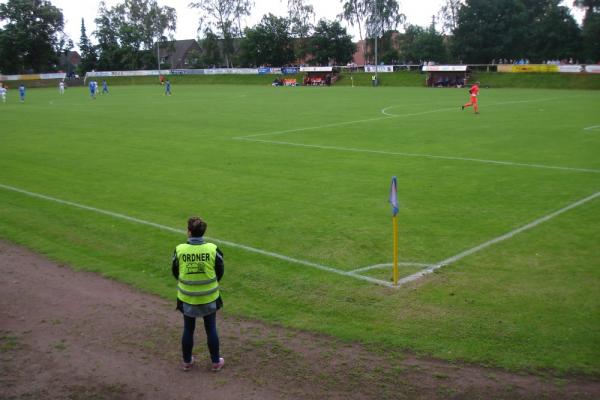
(198, 267)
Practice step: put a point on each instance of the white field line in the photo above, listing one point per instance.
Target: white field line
(393, 153)
(590, 128)
(181, 231)
(389, 116)
(309, 128)
(383, 111)
(386, 265)
(498, 239)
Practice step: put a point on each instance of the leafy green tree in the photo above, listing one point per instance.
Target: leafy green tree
(111, 54)
(268, 43)
(89, 58)
(390, 53)
(300, 17)
(32, 38)
(554, 33)
(489, 30)
(591, 29)
(448, 15)
(537, 30)
(382, 16)
(211, 51)
(374, 16)
(128, 32)
(194, 59)
(355, 14)
(422, 44)
(331, 44)
(223, 15)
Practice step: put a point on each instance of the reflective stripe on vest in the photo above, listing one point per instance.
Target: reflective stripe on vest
(197, 283)
(198, 293)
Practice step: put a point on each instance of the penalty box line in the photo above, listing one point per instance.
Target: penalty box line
(282, 257)
(498, 239)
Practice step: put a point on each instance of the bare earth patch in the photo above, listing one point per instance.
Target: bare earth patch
(76, 335)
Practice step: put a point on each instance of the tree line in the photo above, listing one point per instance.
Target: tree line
(32, 37)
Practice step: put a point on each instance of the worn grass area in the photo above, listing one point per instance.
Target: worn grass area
(304, 172)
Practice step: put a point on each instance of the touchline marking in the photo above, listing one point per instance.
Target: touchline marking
(181, 231)
(506, 236)
(590, 128)
(356, 150)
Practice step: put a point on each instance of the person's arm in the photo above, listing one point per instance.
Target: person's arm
(219, 265)
(175, 266)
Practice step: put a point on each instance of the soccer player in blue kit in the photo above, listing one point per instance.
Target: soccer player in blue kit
(22, 92)
(92, 87)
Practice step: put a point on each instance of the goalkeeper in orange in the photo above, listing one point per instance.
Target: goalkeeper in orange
(474, 92)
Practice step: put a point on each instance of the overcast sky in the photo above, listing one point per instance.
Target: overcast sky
(418, 12)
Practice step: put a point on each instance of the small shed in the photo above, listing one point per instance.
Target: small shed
(445, 75)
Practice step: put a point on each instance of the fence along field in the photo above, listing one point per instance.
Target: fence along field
(312, 190)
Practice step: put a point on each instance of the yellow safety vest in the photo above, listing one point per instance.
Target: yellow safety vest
(197, 283)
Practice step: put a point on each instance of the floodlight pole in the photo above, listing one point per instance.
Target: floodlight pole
(376, 37)
(376, 62)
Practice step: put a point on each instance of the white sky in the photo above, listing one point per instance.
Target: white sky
(418, 12)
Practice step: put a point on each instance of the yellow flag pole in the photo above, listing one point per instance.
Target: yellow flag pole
(395, 223)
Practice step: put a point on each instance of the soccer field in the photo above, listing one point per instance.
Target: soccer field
(294, 184)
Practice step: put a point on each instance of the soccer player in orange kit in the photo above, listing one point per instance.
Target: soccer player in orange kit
(474, 91)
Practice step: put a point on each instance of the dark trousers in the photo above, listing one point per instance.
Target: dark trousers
(212, 337)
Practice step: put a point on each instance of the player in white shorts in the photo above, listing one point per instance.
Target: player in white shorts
(61, 87)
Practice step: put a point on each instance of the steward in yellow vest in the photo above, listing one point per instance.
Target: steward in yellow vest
(198, 267)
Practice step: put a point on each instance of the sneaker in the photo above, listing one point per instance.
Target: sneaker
(188, 366)
(216, 367)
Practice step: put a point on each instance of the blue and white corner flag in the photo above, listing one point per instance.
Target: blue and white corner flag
(394, 197)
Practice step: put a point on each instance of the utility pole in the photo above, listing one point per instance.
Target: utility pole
(377, 14)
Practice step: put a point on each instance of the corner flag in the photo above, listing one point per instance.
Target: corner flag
(394, 197)
(395, 207)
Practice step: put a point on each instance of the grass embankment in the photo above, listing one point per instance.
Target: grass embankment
(402, 79)
(396, 79)
(538, 80)
(407, 79)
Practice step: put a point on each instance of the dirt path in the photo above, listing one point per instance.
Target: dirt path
(74, 335)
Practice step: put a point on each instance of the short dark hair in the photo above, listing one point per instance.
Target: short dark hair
(196, 226)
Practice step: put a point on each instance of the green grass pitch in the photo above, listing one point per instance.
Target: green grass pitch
(304, 173)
